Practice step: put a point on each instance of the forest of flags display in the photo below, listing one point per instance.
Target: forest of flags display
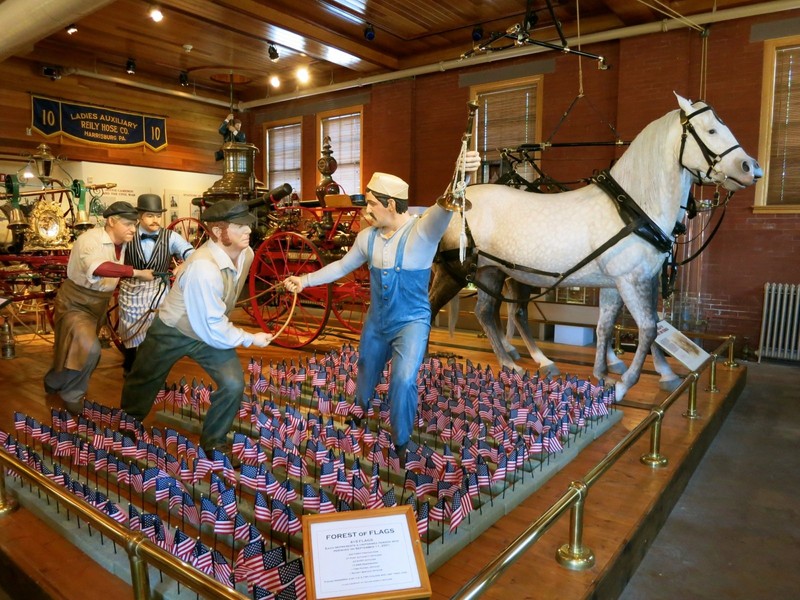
(302, 451)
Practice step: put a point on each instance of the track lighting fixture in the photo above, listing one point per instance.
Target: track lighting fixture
(477, 33)
(273, 53)
(155, 13)
(130, 66)
(72, 28)
(369, 32)
(183, 78)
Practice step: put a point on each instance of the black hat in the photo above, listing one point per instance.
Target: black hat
(149, 203)
(121, 209)
(230, 212)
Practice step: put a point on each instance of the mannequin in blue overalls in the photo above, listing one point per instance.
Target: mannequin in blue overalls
(399, 249)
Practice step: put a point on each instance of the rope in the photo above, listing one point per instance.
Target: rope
(672, 13)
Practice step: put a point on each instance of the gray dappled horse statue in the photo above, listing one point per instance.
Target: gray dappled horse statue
(613, 234)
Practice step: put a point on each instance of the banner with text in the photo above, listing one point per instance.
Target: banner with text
(97, 125)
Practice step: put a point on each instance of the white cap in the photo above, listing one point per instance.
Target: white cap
(389, 185)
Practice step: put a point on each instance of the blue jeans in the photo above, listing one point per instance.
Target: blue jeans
(161, 349)
(406, 347)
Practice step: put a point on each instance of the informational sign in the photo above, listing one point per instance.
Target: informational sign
(680, 347)
(364, 554)
(97, 125)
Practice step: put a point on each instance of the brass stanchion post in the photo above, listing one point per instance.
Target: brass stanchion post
(731, 362)
(574, 555)
(618, 340)
(140, 580)
(691, 411)
(712, 375)
(654, 458)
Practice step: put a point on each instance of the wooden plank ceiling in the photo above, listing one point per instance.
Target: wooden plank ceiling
(214, 41)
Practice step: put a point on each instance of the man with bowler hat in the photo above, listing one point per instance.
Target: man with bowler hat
(153, 247)
(95, 266)
(193, 322)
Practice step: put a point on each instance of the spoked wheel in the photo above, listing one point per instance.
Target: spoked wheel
(192, 230)
(350, 299)
(280, 255)
(112, 322)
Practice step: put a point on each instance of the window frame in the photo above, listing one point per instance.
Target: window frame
(509, 84)
(281, 123)
(349, 110)
(765, 127)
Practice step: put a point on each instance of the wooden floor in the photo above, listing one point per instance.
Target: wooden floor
(623, 510)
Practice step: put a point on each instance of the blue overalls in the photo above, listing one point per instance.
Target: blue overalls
(397, 326)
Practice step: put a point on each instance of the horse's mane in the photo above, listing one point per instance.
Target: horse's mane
(649, 170)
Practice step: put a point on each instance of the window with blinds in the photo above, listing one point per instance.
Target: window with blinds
(780, 127)
(283, 145)
(508, 116)
(344, 131)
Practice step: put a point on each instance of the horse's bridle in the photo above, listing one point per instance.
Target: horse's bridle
(711, 157)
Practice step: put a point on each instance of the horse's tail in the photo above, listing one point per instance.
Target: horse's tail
(452, 314)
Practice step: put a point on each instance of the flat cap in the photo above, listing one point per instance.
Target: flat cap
(229, 211)
(388, 185)
(122, 209)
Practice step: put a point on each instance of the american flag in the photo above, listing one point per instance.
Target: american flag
(201, 557)
(241, 528)
(261, 508)
(250, 559)
(423, 518)
(189, 509)
(310, 498)
(182, 545)
(222, 522)
(325, 504)
(221, 569)
(281, 576)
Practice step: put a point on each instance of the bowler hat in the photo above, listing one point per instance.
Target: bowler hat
(121, 209)
(150, 203)
(229, 211)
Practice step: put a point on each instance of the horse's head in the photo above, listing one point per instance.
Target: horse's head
(710, 151)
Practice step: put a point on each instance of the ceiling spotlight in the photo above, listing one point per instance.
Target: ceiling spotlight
(183, 78)
(369, 32)
(156, 14)
(477, 33)
(130, 66)
(303, 75)
(275, 81)
(273, 53)
(72, 28)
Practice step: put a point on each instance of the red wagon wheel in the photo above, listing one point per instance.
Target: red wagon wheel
(112, 322)
(280, 255)
(350, 299)
(192, 230)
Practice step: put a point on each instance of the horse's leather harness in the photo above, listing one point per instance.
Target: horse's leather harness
(635, 220)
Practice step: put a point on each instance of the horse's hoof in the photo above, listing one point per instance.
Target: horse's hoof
(617, 368)
(670, 385)
(619, 391)
(550, 370)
